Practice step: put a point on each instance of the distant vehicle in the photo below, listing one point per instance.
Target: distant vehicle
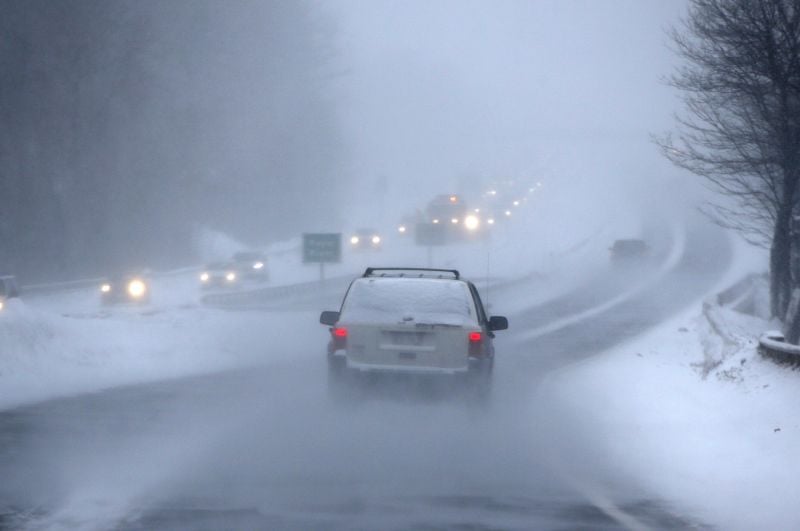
(220, 275)
(363, 239)
(630, 250)
(450, 218)
(125, 289)
(446, 209)
(411, 321)
(406, 226)
(251, 265)
(8, 289)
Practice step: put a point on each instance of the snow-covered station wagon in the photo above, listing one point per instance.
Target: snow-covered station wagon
(412, 321)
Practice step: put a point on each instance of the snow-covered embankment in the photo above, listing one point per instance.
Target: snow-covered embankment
(693, 414)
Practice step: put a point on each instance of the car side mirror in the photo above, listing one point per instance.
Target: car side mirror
(329, 318)
(498, 322)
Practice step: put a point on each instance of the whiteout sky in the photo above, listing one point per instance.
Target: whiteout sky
(558, 89)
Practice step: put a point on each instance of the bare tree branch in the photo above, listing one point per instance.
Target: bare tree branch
(740, 129)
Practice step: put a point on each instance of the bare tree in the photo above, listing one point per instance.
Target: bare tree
(740, 129)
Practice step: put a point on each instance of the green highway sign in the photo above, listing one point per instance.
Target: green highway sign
(322, 247)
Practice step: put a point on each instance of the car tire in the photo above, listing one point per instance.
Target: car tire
(479, 382)
(340, 379)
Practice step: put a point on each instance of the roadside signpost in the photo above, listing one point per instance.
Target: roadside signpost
(322, 248)
(430, 235)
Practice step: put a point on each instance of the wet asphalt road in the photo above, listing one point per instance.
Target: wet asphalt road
(265, 448)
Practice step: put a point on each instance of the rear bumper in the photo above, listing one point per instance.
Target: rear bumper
(405, 369)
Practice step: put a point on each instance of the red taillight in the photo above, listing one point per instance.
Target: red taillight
(474, 337)
(338, 338)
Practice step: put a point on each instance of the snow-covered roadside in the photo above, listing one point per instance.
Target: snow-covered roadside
(696, 418)
(46, 355)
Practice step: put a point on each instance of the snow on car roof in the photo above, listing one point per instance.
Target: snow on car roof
(421, 300)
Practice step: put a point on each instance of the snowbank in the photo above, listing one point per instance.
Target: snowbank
(692, 413)
(46, 355)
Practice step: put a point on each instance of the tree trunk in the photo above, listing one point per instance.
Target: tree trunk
(780, 264)
(792, 329)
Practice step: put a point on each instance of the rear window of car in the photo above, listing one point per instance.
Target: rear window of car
(421, 300)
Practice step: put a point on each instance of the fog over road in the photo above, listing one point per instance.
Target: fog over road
(265, 448)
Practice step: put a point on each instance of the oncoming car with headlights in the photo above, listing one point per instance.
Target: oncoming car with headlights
(220, 275)
(366, 239)
(451, 217)
(446, 209)
(251, 265)
(131, 289)
(412, 321)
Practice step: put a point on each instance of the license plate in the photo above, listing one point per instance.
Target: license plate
(407, 338)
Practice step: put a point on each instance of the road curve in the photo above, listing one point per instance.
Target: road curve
(265, 448)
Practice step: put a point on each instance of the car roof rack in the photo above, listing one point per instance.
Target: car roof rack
(419, 272)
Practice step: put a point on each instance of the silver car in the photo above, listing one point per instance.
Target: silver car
(411, 321)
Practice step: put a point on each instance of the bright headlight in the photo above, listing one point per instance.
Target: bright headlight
(376, 240)
(435, 221)
(454, 221)
(401, 229)
(2, 305)
(490, 221)
(471, 222)
(230, 276)
(105, 288)
(258, 265)
(136, 288)
(354, 240)
(204, 277)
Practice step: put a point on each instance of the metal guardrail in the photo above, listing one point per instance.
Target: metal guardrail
(739, 291)
(58, 287)
(265, 297)
(269, 296)
(75, 285)
(772, 345)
